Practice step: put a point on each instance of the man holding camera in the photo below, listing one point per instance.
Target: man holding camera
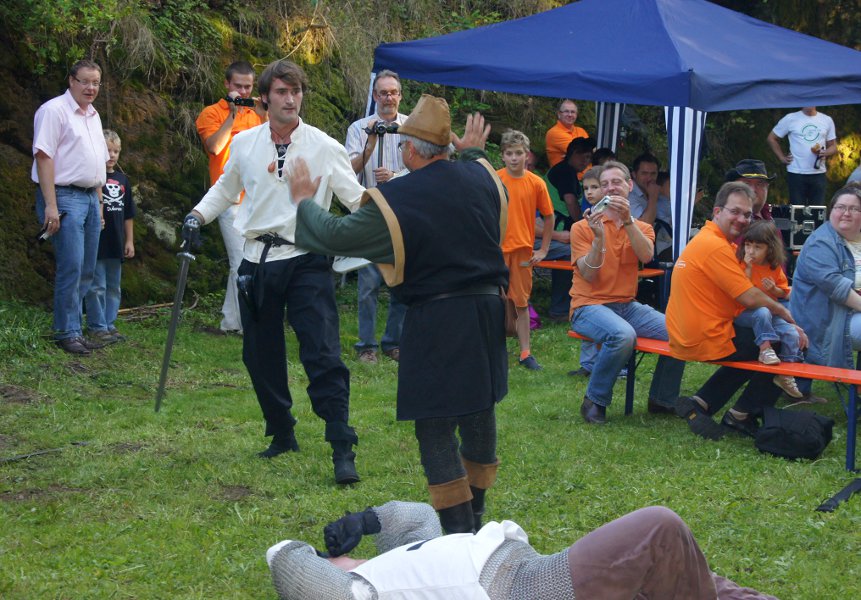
(378, 132)
(278, 277)
(216, 126)
(605, 248)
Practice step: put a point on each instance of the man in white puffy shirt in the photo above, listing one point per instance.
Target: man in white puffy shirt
(278, 277)
(649, 553)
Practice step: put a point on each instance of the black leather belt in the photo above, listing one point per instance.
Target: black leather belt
(269, 240)
(77, 188)
(481, 289)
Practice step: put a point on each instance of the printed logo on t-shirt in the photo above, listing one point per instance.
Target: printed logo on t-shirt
(810, 132)
(113, 196)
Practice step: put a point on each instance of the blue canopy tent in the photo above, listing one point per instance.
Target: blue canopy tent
(690, 56)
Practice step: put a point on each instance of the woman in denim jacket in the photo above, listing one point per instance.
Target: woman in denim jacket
(825, 299)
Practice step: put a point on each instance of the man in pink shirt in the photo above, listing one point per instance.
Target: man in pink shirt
(70, 154)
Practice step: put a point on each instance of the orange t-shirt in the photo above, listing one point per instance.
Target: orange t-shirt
(526, 195)
(210, 120)
(760, 272)
(557, 139)
(616, 280)
(706, 281)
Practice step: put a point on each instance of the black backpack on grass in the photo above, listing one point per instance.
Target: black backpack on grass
(793, 433)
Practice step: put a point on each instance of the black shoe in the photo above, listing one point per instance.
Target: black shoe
(593, 413)
(581, 372)
(530, 363)
(73, 345)
(344, 461)
(656, 408)
(281, 443)
(747, 426)
(698, 421)
(93, 344)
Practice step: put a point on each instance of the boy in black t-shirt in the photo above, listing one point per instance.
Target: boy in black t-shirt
(115, 244)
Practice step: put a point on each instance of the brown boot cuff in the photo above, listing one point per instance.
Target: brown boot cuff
(479, 475)
(451, 493)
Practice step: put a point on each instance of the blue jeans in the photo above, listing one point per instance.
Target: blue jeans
(103, 300)
(76, 246)
(370, 280)
(616, 326)
(560, 281)
(769, 328)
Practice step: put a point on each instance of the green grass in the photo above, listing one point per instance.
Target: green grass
(175, 504)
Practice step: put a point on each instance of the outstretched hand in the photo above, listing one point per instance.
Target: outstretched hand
(475, 133)
(301, 185)
(343, 535)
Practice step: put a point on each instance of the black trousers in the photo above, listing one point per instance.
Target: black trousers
(303, 285)
(760, 391)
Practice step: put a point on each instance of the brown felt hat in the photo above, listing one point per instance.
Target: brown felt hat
(430, 121)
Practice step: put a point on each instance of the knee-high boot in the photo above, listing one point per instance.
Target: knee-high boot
(481, 477)
(452, 500)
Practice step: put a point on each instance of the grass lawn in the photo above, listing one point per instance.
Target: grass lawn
(135, 504)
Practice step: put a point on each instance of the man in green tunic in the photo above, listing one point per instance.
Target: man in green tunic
(435, 235)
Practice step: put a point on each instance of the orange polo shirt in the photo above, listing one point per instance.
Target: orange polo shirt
(210, 120)
(526, 195)
(706, 281)
(616, 280)
(557, 139)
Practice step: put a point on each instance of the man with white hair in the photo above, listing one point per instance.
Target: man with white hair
(435, 235)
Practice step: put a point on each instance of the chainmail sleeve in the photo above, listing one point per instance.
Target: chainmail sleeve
(405, 522)
(515, 571)
(299, 574)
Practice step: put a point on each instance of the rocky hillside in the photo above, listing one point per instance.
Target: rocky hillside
(163, 61)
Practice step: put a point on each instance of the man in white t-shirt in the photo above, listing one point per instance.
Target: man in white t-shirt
(812, 139)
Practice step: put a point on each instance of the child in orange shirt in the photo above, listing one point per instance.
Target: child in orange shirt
(763, 255)
(527, 193)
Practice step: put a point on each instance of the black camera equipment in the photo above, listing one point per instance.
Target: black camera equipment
(240, 101)
(382, 129)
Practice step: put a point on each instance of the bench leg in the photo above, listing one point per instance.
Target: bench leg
(851, 427)
(629, 383)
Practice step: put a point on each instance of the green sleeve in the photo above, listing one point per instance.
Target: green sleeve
(363, 234)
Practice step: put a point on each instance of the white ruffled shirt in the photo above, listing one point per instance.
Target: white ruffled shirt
(267, 207)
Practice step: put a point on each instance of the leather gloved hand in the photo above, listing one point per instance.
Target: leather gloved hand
(191, 232)
(343, 535)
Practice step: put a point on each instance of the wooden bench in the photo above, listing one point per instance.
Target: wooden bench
(849, 377)
(644, 273)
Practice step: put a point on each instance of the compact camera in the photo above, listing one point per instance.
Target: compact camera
(601, 205)
(240, 101)
(382, 129)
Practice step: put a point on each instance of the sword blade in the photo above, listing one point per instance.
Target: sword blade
(185, 259)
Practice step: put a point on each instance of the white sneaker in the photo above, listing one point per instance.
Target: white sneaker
(788, 385)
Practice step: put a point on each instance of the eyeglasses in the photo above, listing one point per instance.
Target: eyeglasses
(737, 212)
(86, 84)
(387, 94)
(401, 146)
(842, 208)
(567, 112)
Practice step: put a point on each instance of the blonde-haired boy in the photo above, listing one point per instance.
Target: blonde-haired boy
(527, 193)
